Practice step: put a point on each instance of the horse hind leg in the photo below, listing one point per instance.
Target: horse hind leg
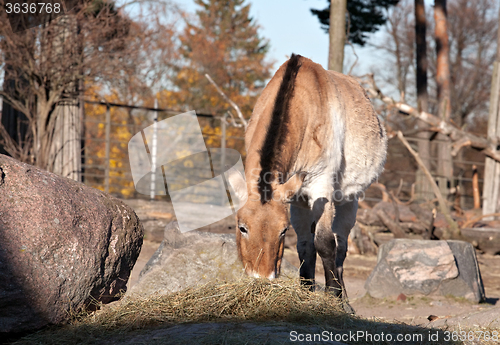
(345, 218)
(335, 224)
(326, 245)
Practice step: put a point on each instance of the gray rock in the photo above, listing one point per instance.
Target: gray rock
(156, 214)
(469, 283)
(420, 267)
(192, 258)
(62, 246)
(486, 239)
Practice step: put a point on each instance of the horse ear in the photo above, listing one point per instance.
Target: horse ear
(291, 186)
(238, 185)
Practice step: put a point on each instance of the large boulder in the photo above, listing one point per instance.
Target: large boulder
(192, 258)
(421, 267)
(62, 246)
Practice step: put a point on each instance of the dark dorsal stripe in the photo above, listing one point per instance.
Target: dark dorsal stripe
(277, 130)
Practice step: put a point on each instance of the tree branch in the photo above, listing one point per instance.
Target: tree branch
(455, 230)
(238, 111)
(459, 137)
(392, 225)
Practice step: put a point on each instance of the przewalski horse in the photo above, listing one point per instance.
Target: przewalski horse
(314, 142)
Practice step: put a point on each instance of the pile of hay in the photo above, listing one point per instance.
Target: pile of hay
(276, 308)
(247, 299)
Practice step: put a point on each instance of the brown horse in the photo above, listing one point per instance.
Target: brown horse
(315, 143)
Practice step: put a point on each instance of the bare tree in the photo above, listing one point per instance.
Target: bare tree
(421, 62)
(472, 28)
(445, 164)
(442, 60)
(471, 34)
(423, 188)
(399, 43)
(406, 43)
(159, 51)
(459, 137)
(46, 67)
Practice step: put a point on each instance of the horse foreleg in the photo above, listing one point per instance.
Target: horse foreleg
(301, 220)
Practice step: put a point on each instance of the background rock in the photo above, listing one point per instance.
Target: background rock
(415, 267)
(156, 214)
(485, 238)
(62, 246)
(190, 259)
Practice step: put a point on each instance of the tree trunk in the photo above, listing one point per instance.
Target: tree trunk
(337, 35)
(491, 186)
(423, 189)
(445, 164)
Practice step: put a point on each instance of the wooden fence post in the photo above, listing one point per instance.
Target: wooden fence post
(491, 184)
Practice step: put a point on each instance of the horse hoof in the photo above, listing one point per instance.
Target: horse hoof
(348, 309)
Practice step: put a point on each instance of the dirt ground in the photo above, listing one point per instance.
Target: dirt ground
(357, 268)
(414, 310)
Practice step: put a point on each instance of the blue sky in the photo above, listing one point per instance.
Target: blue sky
(291, 28)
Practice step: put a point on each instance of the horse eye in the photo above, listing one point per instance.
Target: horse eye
(243, 230)
(283, 232)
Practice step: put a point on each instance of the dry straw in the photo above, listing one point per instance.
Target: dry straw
(282, 304)
(247, 299)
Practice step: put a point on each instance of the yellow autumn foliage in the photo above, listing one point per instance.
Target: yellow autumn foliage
(121, 132)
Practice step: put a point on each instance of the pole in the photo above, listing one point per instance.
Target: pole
(491, 179)
(337, 35)
(107, 148)
(223, 156)
(153, 151)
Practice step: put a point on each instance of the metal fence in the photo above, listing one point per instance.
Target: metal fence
(101, 170)
(106, 164)
(400, 173)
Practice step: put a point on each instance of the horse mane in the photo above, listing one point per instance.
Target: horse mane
(277, 131)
